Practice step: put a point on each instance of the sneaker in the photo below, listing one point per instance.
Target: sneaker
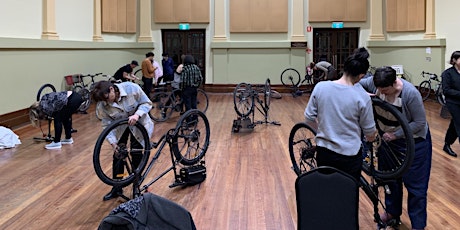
(67, 141)
(53, 145)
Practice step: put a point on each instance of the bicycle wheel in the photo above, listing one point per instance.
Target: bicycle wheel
(202, 101)
(105, 159)
(243, 100)
(191, 137)
(391, 159)
(424, 88)
(86, 96)
(302, 148)
(163, 106)
(267, 93)
(45, 89)
(290, 77)
(440, 96)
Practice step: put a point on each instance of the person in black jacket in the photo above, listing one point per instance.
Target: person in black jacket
(451, 89)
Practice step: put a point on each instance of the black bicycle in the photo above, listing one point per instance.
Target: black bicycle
(290, 77)
(36, 120)
(383, 161)
(245, 97)
(425, 87)
(188, 143)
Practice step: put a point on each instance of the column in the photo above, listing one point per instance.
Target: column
(219, 21)
(376, 21)
(430, 32)
(49, 20)
(298, 22)
(145, 21)
(97, 22)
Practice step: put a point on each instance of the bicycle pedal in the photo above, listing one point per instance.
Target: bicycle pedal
(177, 183)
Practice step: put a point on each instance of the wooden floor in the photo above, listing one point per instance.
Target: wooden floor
(250, 184)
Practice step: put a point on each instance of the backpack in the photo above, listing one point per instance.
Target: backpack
(53, 102)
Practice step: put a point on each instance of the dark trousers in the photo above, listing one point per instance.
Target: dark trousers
(189, 95)
(416, 182)
(348, 164)
(119, 164)
(148, 84)
(64, 117)
(453, 132)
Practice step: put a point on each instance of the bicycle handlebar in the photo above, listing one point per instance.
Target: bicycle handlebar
(432, 76)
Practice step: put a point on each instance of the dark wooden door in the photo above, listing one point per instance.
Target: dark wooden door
(184, 42)
(334, 45)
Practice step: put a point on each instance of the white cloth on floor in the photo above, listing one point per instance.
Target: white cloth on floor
(8, 139)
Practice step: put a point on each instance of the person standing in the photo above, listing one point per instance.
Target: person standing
(148, 73)
(125, 72)
(190, 80)
(341, 117)
(168, 67)
(117, 101)
(451, 89)
(405, 98)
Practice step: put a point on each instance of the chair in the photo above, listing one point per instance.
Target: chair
(327, 198)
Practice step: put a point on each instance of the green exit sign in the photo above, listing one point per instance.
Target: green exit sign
(184, 26)
(337, 25)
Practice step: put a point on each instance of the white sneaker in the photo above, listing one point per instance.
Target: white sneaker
(53, 145)
(67, 141)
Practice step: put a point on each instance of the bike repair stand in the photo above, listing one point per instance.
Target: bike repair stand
(247, 124)
(46, 137)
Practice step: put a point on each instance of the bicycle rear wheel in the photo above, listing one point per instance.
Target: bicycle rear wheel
(267, 93)
(45, 89)
(425, 89)
(391, 159)
(163, 106)
(130, 158)
(302, 148)
(440, 96)
(191, 137)
(86, 96)
(290, 77)
(202, 101)
(243, 100)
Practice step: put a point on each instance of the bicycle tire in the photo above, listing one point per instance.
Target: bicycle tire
(202, 101)
(302, 148)
(267, 93)
(290, 77)
(104, 157)
(440, 97)
(163, 106)
(86, 96)
(243, 99)
(425, 89)
(392, 158)
(45, 89)
(191, 137)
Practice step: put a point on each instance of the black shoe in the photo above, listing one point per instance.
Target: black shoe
(114, 193)
(449, 150)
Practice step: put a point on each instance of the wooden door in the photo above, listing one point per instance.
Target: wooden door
(183, 42)
(334, 45)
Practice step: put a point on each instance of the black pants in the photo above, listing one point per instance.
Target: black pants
(453, 132)
(348, 164)
(119, 164)
(64, 117)
(148, 84)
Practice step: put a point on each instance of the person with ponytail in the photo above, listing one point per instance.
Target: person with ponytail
(341, 110)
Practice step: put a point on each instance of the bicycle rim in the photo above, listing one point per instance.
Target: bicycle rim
(162, 107)
(191, 137)
(290, 77)
(202, 101)
(440, 96)
(302, 148)
(267, 93)
(105, 159)
(86, 96)
(391, 159)
(425, 89)
(45, 89)
(243, 100)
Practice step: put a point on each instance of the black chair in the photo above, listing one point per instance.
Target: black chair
(327, 198)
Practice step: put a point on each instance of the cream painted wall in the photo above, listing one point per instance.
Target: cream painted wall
(74, 20)
(21, 19)
(447, 25)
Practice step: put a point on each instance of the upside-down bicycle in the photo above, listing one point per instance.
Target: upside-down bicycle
(383, 161)
(244, 97)
(188, 143)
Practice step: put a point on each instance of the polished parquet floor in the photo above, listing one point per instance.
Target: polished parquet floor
(249, 186)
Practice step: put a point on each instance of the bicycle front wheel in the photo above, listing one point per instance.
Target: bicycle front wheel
(290, 77)
(45, 89)
(243, 99)
(267, 93)
(191, 137)
(391, 159)
(119, 167)
(202, 101)
(302, 148)
(86, 96)
(424, 88)
(163, 106)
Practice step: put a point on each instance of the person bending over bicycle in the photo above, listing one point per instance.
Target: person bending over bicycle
(117, 101)
(328, 72)
(125, 73)
(407, 99)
